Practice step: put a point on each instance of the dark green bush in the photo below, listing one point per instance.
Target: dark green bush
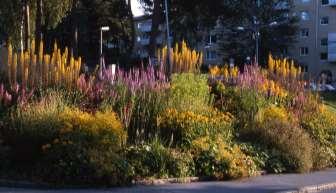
(321, 125)
(242, 103)
(265, 159)
(26, 128)
(154, 160)
(189, 92)
(278, 129)
(87, 150)
(215, 159)
(181, 128)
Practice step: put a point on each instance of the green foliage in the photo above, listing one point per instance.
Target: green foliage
(243, 104)
(265, 159)
(87, 150)
(239, 44)
(28, 127)
(189, 92)
(278, 129)
(138, 110)
(154, 160)
(321, 125)
(181, 128)
(214, 158)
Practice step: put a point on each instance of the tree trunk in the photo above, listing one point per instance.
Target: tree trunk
(74, 42)
(39, 22)
(21, 29)
(27, 25)
(156, 21)
(129, 3)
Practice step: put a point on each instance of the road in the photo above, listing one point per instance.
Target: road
(261, 184)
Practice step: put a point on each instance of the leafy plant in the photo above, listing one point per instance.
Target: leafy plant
(221, 161)
(87, 149)
(189, 92)
(181, 128)
(155, 160)
(278, 129)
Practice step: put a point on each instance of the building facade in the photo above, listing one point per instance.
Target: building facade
(315, 48)
(143, 28)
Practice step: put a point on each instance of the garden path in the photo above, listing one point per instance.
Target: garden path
(261, 184)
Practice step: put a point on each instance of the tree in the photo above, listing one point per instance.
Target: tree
(11, 17)
(190, 17)
(27, 14)
(277, 28)
(187, 18)
(155, 8)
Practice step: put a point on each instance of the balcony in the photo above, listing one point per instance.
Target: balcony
(332, 3)
(144, 42)
(145, 27)
(332, 47)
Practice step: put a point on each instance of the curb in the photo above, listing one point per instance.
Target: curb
(313, 189)
(151, 182)
(185, 180)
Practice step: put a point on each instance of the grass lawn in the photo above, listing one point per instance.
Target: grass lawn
(329, 99)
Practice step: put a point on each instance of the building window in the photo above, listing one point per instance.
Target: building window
(324, 56)
(304, 33)
(212, 39)
(324, 42)
(304, 51)
(304, 15)
(210, 55)
(325, 20)
(325, 2)
(305, 1)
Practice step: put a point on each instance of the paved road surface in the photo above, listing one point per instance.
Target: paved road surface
(262, 184)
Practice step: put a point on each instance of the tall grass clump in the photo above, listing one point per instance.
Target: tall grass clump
(28, 127)
(183, 58)
(137, 96)
(32, 70)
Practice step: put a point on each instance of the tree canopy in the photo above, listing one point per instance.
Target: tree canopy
(277, 28)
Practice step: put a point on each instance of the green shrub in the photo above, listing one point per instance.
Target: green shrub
(278, 129)
(28, 127)
(214, 158)
(265, 159)
(154, 160)
(181, 128)
(87, 150)
(138, 109)
(242, 103)
(189, 92)
(321, 125)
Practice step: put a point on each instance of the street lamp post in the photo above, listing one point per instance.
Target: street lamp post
(257, 32)
(168, 38)
(102, 29)
(257, 39)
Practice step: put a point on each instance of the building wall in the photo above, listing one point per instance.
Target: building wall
(316, 11)
(143, 27)
(143, 24)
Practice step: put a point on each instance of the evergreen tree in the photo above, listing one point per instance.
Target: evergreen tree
(237, 30)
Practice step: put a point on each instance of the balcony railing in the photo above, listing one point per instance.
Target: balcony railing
(332, 47)
(332, 3)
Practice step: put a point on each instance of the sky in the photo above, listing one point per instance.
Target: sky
(136, 8)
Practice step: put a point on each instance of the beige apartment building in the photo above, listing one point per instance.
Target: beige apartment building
(315, 48)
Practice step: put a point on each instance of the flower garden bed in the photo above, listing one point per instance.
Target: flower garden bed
(111, 129)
